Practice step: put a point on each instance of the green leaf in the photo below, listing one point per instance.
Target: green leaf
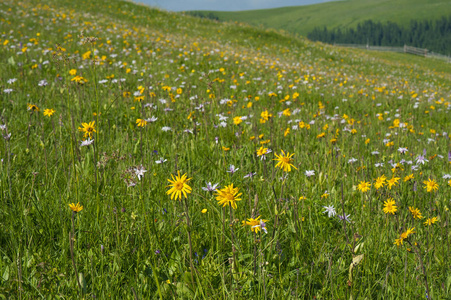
(6, 274)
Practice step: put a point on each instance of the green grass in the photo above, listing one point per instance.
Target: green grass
(200, 78)
(339, 14)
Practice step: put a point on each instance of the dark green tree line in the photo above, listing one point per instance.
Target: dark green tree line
(432, 35)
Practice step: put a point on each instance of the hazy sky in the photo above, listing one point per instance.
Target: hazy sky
(183, 5)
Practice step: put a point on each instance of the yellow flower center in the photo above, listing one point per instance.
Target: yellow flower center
(229, 197)
(178, 185)
(286, 160)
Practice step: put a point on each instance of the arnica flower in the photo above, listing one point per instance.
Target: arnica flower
(408, 232)
(380, 182)
(49, 112)
(262, 151)
(141, 122)
(404, 236)
(392, 182)
(228, 196)
(32, 107)
(364, 186)
(430, 185)
(76, 207)
(416, 214)
(237, 120)
(179, 186)
(390, 207)
(88, 129)
(430, 221)
(79, 79)
(265, 115)
(285, 161)
(408, 177)
(255, 224)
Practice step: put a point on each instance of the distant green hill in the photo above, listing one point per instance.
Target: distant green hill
(344, 14)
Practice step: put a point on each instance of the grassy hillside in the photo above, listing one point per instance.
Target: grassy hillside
(346, 13)
(150, 155)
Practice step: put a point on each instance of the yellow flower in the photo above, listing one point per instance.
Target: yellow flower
(179, 186)
(32, 107)
(449, 181)
(408, 232)
(254, 223)
(380, 182)
(88, 129)
(287, 131)
(76, 207)
(364, 186)
(430, 185)
(416, 214)
(286, 112)
(141, 122)
(79, 79)
(430, 221)
(285, 161)
(237, 120)
(228, 196)
(393, 181)
(73, 72)
(261, 151)
(48, 112)
(398, 242)
(204, 210)
(325, 195)
(86, 55)
(408, 177)
(390, 207)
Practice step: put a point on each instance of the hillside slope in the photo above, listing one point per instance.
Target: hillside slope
(149, 155)
(347, 13)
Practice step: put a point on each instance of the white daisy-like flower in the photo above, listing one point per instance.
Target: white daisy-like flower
(210, 187)
(352, 160)
(43, 82)
(309, 173)
(330, 210)
(151, 119)
(139, 172)
(161, 160)
(86, 142)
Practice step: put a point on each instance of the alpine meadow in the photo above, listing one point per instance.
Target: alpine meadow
(148, 154)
